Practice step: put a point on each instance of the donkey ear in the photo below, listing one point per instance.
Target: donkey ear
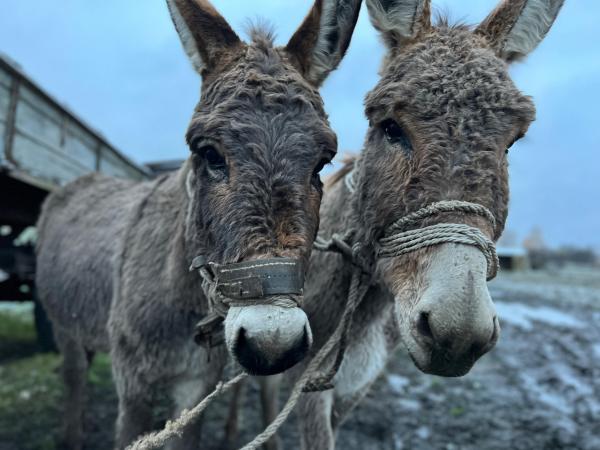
(204, 33)
(516, 27)
(318, 46)
(399, 21)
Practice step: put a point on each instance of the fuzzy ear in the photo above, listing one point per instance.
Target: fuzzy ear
(205, 34)
(516, 27)
(318, 46)
(399, 21)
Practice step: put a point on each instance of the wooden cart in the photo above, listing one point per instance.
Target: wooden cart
(43, 145)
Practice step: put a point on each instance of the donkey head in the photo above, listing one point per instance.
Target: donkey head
(259, 138)
(442, 118)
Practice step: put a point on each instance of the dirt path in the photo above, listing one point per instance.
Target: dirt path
(539, 389)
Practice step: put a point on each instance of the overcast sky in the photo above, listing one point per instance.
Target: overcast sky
(119, 65)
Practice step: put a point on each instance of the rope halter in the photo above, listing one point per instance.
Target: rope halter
(273, 281)
(406, 235)
(400, 239)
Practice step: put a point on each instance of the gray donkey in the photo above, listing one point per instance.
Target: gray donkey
(114, 256)
(441, 121)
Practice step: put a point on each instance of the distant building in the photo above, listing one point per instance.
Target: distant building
(513, 258)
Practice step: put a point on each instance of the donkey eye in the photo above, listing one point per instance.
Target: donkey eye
(214, 161)
(395, 135)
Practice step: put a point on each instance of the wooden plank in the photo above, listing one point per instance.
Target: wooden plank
(5, 78)
(79, 145)
(42, 162)
(4, 102)
(111, 165)
(41, 105)
(35, 118)
(10, 121)
(2, 130)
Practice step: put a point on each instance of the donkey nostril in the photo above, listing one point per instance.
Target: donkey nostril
(478, 349)
(241, 336)
(423, 326)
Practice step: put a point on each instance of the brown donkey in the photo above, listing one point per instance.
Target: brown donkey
(114, 256)
(442, 118)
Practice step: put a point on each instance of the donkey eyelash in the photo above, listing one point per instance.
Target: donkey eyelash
(515, 140)
(321, 165)
(198, 144)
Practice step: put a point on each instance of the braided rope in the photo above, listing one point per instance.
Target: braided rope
(445, 206)
(397, 242)
(174, 428)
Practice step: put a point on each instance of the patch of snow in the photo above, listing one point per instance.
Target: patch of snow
(522, 316)
(553, 398)
(398, 443)
(567, 375)
(4, 276)
(548, 289)
(409, 405)
(398, 383)
(423, 432)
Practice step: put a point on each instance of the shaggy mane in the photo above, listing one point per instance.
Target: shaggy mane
(442, 20)
(261, 33)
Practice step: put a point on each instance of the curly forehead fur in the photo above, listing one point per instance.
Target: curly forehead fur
(455, 101)
(257, 68)
(256, 111)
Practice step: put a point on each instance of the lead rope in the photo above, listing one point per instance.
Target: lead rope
(310, 381)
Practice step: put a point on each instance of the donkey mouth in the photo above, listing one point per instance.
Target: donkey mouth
(436, 360)
(256, 362)
(443, 365)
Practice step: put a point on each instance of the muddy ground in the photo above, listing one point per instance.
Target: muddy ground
(538, 389)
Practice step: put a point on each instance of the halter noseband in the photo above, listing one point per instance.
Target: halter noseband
(401, 239)
(273, 281)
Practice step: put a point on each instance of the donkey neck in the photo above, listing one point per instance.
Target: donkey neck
(181, 242)
(329, 275)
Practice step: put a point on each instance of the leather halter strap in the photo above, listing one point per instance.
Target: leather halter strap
(256, 279)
